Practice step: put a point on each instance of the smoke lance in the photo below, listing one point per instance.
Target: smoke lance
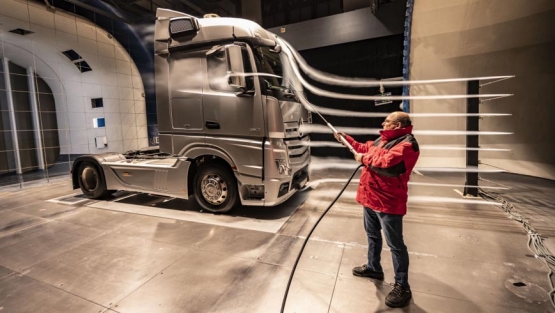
(335, 132)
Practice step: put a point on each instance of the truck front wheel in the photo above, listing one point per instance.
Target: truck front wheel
(91, 181)
(215, 188)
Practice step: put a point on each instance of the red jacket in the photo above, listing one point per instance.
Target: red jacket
(388, 161)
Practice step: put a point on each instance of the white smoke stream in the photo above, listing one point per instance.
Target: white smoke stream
(334, 144)
(338, 112)
(470, 169)
(323, 163)
(439, 147)
(372, 82)
(329, 94)
(312, 128)
(356, 181)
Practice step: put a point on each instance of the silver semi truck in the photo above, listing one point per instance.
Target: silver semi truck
(229, 120)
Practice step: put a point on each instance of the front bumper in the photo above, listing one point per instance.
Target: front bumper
(278, 190)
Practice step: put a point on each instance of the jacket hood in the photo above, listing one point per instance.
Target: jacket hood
(389, 134)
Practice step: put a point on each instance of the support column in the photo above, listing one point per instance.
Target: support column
(36, 115)
(472, 124)
(6, 63)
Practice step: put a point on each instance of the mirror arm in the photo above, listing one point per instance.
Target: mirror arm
(243, 92)
(246, 93)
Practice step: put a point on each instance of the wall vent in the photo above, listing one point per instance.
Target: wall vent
(83, 66)
(97, 103)
(72, 55)
(21, 31)
(77, 60)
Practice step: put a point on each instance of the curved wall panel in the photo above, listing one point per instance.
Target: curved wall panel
(113, 77)
(467, 38)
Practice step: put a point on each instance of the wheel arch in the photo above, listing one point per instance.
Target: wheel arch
(206, 159)
(77, 165)
(96, 160)
(202, 155)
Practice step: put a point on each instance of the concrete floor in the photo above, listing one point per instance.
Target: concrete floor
(138, 253)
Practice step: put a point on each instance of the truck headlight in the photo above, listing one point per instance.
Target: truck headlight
(283, 167)
(277, 143)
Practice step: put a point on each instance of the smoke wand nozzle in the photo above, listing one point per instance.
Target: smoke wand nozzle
(343, 140)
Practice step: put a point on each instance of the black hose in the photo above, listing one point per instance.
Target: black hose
(308, 236)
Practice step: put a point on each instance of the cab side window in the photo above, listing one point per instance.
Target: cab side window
(247, 69)
(218, 66)
(217, 71)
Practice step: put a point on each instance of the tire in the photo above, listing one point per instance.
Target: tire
(92, 182)
(215, 188)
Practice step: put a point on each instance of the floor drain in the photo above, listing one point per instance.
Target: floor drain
(73, 199)
(70, 199)
(519, 284)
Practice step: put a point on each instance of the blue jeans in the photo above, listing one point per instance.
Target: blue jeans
(392, 226)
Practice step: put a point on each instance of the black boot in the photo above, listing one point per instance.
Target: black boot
(364, 271)
(398, 297)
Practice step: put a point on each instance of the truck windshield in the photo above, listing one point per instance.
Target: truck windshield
(270, 62)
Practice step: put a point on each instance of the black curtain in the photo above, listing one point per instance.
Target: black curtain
(373, 58)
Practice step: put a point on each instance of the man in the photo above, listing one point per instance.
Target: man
(383, 193)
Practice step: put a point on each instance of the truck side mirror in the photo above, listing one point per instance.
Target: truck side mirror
(235, 67)
(276, 49)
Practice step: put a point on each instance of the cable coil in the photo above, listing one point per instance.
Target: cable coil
(535, 241)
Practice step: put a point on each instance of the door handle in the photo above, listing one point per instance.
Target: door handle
(212, 125)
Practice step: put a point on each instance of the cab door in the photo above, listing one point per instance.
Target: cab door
(185, 102)
(232, 109)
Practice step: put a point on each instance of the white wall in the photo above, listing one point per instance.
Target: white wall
(468, 38)
(114, 76)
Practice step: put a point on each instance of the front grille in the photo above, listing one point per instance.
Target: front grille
(295, 138)
(295, 147)
(298, 155)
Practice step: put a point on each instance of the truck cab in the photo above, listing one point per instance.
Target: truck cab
(229, 120)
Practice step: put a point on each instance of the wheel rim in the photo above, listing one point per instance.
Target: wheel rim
(213, 188)
(89, 178)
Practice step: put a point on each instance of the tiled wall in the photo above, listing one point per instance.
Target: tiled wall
(114, 76)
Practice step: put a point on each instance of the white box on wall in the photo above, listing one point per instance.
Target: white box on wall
(101, 142)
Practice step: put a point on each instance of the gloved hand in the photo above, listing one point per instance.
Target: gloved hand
(358, 157)
(338, 136)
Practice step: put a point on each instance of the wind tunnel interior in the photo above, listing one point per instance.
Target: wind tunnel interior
(146, 252)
